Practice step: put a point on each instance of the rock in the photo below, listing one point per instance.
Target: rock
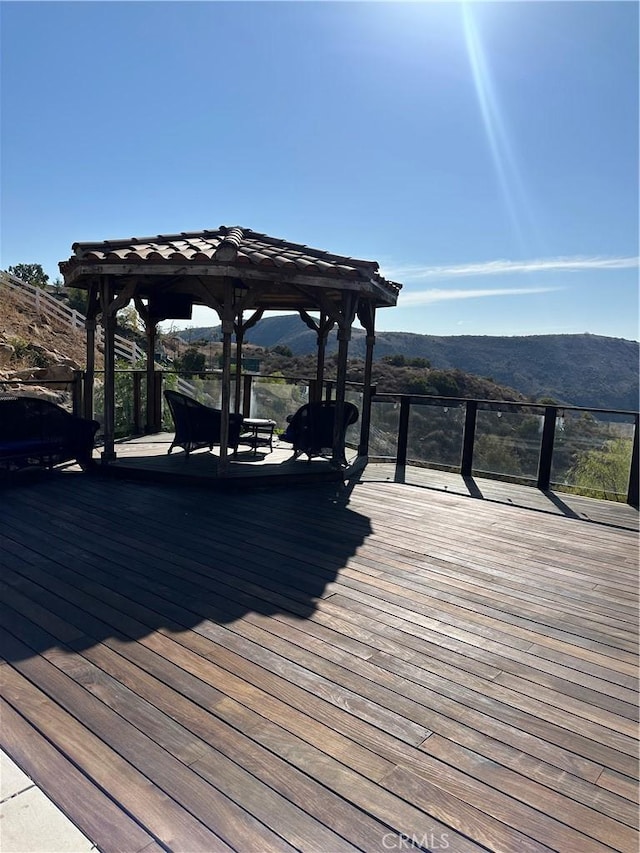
(57, 373)
(7, 351)
(30, 373)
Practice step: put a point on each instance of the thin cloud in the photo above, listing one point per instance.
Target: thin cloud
(504, 267)
(427, 297)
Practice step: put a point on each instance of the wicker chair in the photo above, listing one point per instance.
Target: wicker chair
(198, 425)
(310, 430)
(36, 432)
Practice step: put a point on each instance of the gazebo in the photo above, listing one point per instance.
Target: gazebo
(240, 274)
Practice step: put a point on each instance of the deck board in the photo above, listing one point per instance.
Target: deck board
(322, 668)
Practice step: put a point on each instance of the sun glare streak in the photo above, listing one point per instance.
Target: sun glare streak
(501, 150)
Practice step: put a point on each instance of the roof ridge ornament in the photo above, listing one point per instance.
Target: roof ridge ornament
(229, 245)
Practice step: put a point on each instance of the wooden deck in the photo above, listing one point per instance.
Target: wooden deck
(375, 667)
(146, 458)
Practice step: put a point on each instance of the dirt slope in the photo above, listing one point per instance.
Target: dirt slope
(30, 340)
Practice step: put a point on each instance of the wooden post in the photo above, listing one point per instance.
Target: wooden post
(150, 329)
(108, 324)
(322, 329)
(344, 336)
(367, 393)
(90, 372)
(240, 328)
(239, 340)
(347, 315)
(366, 315)
(227, 332)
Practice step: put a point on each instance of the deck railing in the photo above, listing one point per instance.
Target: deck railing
(593, 451)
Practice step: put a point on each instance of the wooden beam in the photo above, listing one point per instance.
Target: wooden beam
(122, 299)
(207, 298)
(141, 272)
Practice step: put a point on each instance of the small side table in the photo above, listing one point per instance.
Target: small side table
(260, 432)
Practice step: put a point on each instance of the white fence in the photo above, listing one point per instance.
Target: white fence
(45, 303)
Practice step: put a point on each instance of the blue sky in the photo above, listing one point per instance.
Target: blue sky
(486, 154)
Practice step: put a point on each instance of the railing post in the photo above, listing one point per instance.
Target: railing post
(137, 402)
(469, 437)
(157, 400)
(546, 447)
(246, 395)
(365, 423)
(76, 392)
(633, 498)
(403, 432)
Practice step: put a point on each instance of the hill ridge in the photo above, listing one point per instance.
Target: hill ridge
(583, 369)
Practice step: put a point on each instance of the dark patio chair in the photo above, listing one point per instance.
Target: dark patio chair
(310, 430)
(37, 432)
(198, 425)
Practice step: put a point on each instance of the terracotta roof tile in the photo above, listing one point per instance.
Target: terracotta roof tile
(227, 244)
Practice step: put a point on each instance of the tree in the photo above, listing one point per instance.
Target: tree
(603, 470)
(77, 299)
(30, 273)
(445, 383)
(282, 349)
(395, 360)
(192, 361)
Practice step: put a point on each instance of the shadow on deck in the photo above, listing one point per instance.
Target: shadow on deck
(327, 668)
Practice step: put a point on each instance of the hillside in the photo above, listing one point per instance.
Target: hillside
(580, 370)
(583, 370)
(32, 342)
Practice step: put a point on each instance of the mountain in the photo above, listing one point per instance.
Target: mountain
(580, 370)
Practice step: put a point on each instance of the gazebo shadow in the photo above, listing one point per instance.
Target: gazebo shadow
(121, 560)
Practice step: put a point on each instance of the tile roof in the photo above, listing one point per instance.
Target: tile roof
(241, 247)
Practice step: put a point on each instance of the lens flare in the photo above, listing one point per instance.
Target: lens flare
(504, 160)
